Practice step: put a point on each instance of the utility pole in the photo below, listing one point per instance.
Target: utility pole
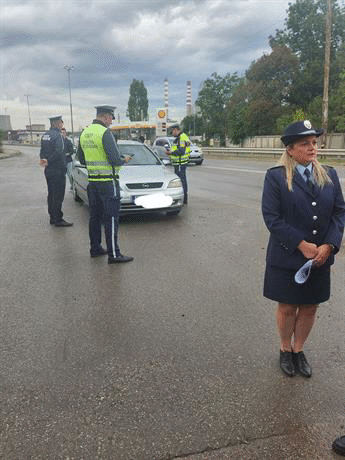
(27, 99)
(69, 68)
(328, 42)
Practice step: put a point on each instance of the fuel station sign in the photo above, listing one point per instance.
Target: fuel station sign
(162, 119)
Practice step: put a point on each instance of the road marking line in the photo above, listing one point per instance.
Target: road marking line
(237, 169)
(256, 171)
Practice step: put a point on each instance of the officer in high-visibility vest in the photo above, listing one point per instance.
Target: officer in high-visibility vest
(98, 151)
(179, 157)
(53, 160)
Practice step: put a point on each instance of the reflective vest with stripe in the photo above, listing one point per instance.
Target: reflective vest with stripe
(180, 150)
(98, 167)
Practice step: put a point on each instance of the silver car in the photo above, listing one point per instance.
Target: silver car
(161, 144)
(146, 185)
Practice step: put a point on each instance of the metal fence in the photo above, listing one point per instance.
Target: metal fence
(228, 152)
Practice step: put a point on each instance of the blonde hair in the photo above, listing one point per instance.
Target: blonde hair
(320, 173)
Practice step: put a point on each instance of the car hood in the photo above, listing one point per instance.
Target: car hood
(154, 173)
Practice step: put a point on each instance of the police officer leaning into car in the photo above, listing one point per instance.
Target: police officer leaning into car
(53, 159)
(179, 157)
(98, 151)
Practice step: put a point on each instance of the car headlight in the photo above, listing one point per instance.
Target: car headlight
(175, 183)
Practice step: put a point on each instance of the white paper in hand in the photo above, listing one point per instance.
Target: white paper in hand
(303, 273)
(155, 201)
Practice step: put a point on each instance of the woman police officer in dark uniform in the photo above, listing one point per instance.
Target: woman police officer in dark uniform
(304, 211)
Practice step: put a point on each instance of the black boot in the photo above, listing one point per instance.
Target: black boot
(301, 364)
(286, 363)
(339, 446)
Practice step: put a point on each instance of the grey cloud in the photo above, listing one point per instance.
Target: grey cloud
(110, 42)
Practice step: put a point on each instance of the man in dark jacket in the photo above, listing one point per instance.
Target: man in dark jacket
(53, 159)
(69, 150)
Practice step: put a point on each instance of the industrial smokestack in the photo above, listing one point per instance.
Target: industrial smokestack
(189, 108)
(166, 93)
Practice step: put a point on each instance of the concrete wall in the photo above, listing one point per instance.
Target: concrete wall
(334, 141)
(263, 142)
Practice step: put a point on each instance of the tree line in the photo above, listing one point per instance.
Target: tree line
(280, 87)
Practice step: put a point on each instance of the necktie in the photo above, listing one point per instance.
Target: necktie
(309, 182)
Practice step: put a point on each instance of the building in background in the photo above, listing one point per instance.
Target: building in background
(27, 136)
(5, 123)
(134, 130)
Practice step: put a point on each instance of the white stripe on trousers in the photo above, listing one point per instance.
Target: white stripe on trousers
(113, 226)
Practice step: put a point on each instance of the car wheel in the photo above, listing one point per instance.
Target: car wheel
(75, 194)
(173, 213)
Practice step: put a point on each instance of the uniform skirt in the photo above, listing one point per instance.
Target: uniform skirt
(280, 285)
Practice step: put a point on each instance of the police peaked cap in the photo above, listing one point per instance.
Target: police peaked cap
(298, 130)
(53, 119)
(106, 109)
(175, 126)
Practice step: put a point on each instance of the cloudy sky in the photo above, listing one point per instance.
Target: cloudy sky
(111, 42)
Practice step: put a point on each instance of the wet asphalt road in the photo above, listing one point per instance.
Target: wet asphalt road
(173, 355)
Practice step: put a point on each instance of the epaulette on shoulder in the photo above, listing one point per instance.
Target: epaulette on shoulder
(275, 167)
(327, 168)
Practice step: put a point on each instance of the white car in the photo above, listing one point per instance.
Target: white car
(146, 185)
(162, 143)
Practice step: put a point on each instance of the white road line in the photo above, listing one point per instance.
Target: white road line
(255, 171)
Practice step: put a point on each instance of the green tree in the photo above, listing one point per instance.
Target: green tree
(236, 115)
(289, 118)
(304, 34)
(336, 120)
(193, 125)
(2, 138)
(270, 81)
(212, 100)
(264, 95)
(138, 102)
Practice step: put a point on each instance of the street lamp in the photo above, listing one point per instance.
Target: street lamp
(27, 99)
(69, 68)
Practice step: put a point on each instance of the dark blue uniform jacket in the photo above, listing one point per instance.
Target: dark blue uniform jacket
(316, 216)
(52, 149)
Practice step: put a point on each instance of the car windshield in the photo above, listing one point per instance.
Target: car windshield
(140, 154)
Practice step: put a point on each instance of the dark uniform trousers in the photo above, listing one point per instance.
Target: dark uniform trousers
(56, 183)
(180, 171)
(104, 204)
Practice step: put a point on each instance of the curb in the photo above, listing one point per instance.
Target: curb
(9, 154)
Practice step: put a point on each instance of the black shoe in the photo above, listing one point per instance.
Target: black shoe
(301, 364)
(286, 363)
(339, 446)
(52, 222)
(119, 259)
(63, 223)
(100, 252)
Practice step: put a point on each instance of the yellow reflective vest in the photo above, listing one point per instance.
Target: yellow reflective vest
(98, 167)
(180, 150)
